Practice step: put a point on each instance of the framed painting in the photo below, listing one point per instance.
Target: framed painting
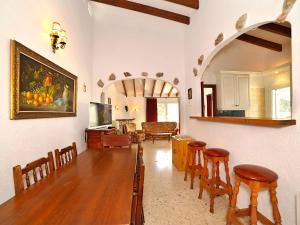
(39, 88)
(190, 96)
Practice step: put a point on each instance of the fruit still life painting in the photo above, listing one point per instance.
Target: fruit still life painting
(44, 90)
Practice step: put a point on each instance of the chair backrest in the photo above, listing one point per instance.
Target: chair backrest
(65, 155)
(113, 141)
(138, 217)
(130, 128)
(32, 172)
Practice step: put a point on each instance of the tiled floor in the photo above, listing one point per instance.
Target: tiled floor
(168, 200)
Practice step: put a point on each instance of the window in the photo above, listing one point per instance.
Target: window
(168, 112)
(281, 103)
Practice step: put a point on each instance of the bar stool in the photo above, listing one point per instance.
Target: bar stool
(214, 185)
(194, 149)
(257, 178)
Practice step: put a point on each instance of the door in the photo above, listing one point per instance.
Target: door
(242, 89)
(228, 92)
(209, 105)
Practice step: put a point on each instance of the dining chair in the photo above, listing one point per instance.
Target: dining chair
(116, 141)
(137, 211)
(32, 172)
(65, 155)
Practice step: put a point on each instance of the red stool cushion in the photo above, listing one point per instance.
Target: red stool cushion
(197, 144)
(216, 152)
(255, 173)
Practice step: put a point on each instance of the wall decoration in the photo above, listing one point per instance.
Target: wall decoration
(102, 97)
(144, 74)
(84, 87)
(241, 22)
(176, 81)
(195, 72)
(127, 74)
(40, 88)
(286, 8)
(109, 101)
(160, 74)
(112, 77)
(219, 39)
(100, 83)
(190, 96)
(200, 60)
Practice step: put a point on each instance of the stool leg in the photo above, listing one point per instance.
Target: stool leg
(274, 201)
(199, 163)
(212, 187)
(228, 179)
(187, 164)
(193, 169)
(218, 179)
(203, 177)
(231, 210)
(253, 209)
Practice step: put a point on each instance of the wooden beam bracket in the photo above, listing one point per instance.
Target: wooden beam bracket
(260, 42)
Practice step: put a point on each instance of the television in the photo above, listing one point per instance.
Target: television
(100, 115)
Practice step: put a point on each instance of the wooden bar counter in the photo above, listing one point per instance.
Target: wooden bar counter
(95, 189)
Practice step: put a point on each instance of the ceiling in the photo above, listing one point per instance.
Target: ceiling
(271, 36)
(175, 10)
(146, 88)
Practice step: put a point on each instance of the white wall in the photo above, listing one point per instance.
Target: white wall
(136, 106)
(30, 22)
(128, 41)
(276, 148)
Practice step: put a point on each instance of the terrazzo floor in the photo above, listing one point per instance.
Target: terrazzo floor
(168, 200)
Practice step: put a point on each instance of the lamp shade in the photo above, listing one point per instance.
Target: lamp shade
(56, 28)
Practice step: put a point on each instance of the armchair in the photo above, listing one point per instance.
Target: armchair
(136, 135)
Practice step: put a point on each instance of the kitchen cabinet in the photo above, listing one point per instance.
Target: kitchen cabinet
(234, 91)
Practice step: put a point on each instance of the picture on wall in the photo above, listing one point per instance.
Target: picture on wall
(190, 93)
(40, 88)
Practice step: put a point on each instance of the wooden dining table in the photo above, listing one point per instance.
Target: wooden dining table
(95, 189)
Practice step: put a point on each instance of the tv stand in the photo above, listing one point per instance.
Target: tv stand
(93, 137)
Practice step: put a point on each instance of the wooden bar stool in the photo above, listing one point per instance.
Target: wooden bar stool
(214, 185)
(194, 149)
(257, 178)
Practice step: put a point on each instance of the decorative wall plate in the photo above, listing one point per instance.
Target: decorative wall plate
(160, 74)
(200, 60)
(176, 81)
(287, 7)
(112, 77)
(241, 22)
(100, 83)
(127, 74)
(219, 39)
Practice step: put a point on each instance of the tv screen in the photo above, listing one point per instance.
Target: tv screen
(100, 114)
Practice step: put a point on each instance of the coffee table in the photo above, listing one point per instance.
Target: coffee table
(158, 136)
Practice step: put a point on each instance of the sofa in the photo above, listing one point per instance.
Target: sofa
(159, 127)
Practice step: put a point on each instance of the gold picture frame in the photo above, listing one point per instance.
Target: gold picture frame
(39, 88)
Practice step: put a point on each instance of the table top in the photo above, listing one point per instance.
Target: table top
(95, 189)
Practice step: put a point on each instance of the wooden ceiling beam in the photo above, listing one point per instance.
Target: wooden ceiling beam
(188, 3)
(144, 87)
(260, 42)
(277, 29)
(153, 88)
(147, 10)
(162, 89)
(170, 92)
(134, 91)
(124, 87)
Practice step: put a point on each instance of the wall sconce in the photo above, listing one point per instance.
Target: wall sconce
(58, 37)
(117, 107)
